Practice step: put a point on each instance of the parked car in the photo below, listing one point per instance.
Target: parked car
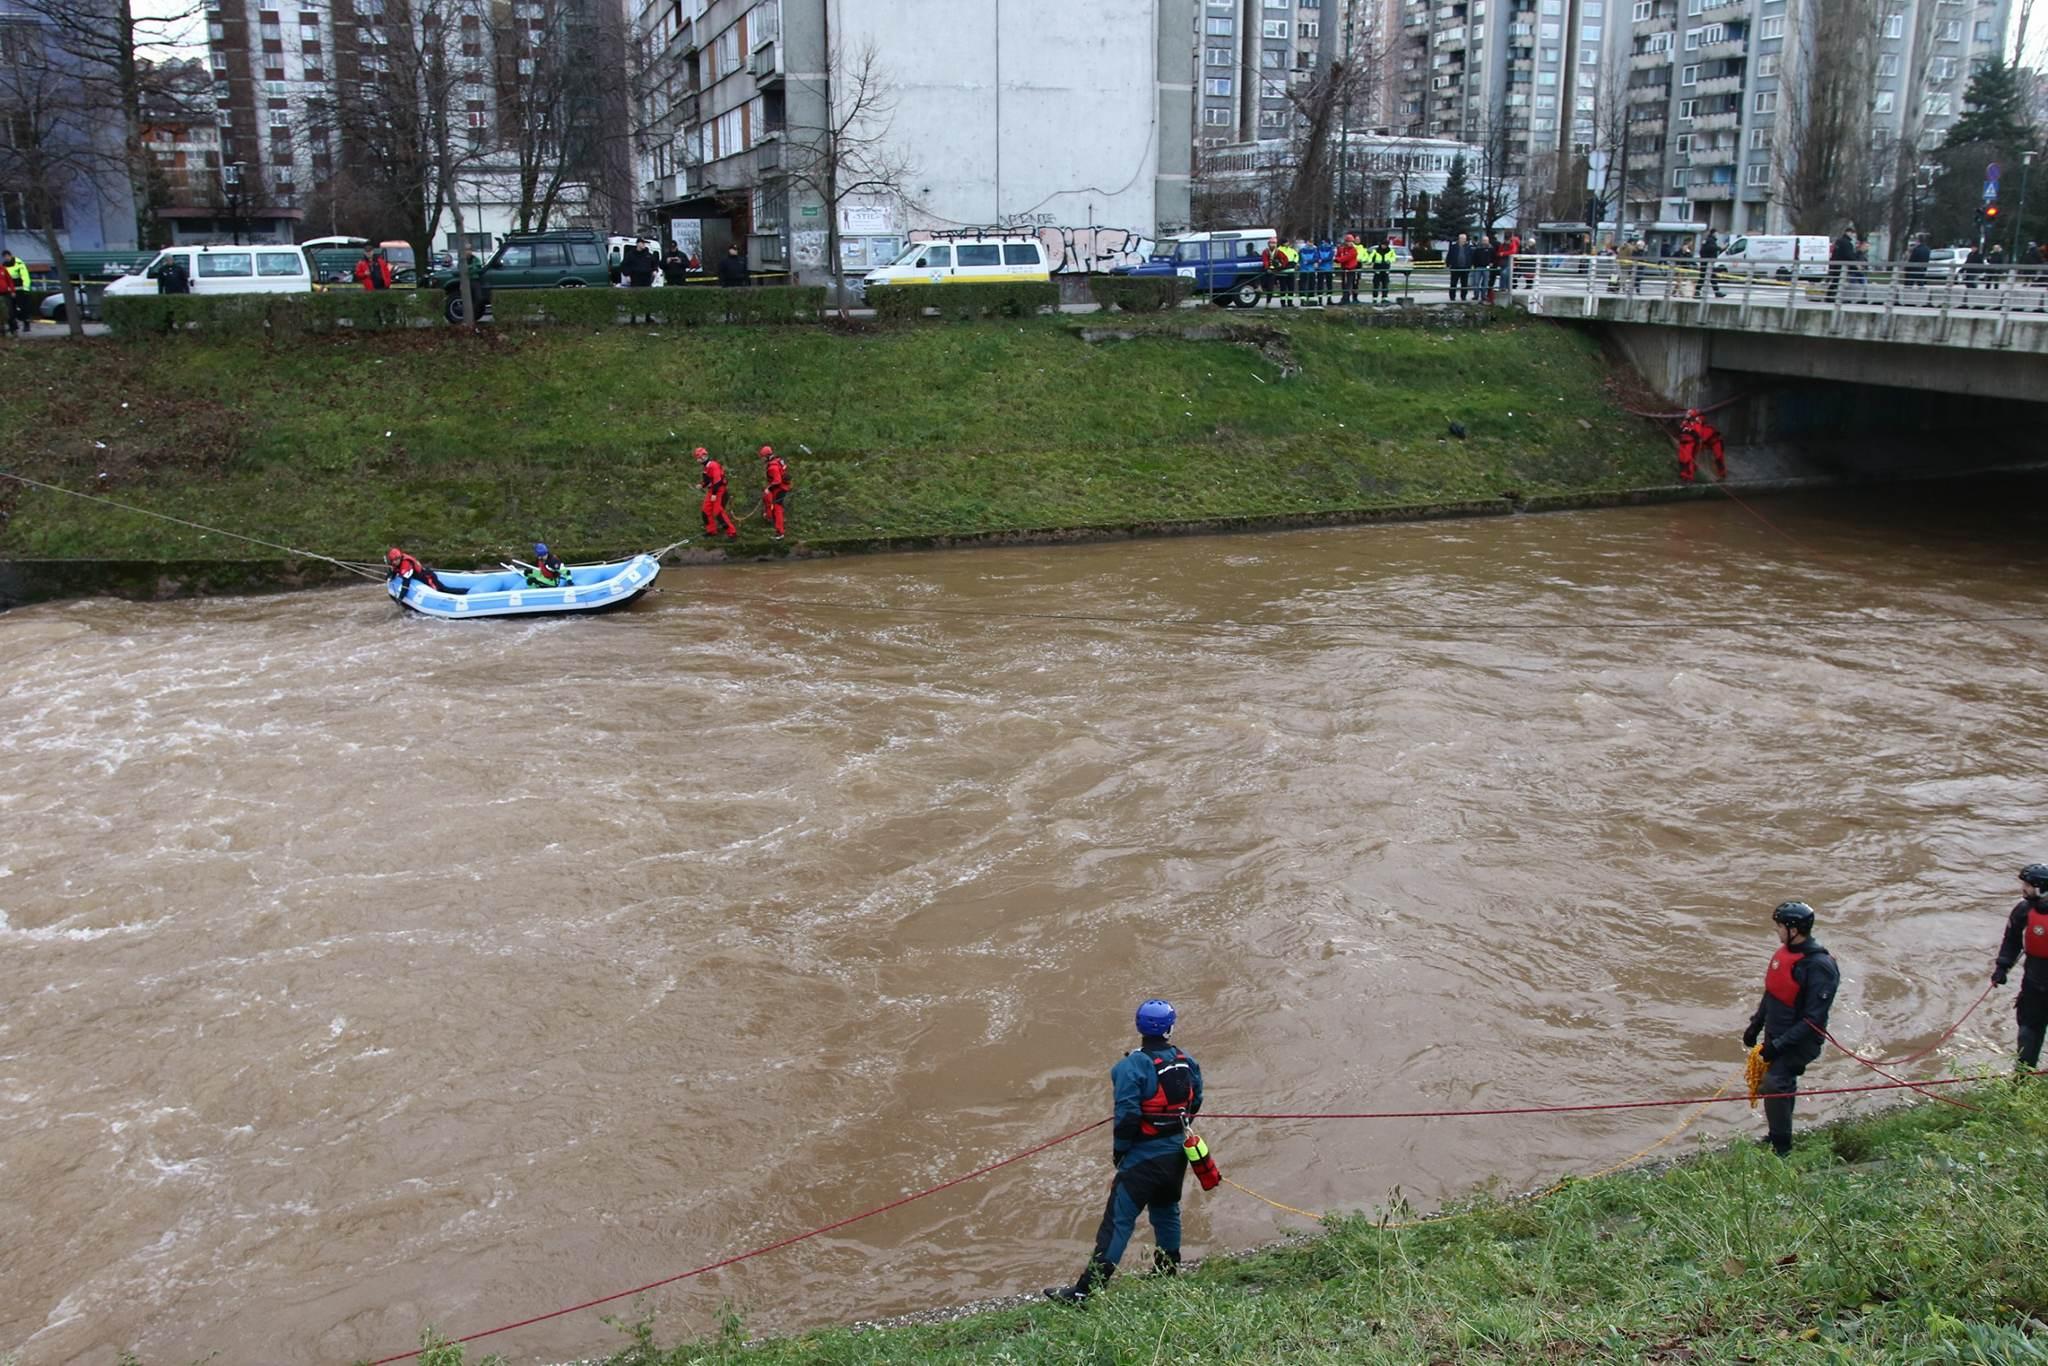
(253, 268)
(966, 258)
(568, 259)
(91, 272)
(1806, 256)
(1225, 266)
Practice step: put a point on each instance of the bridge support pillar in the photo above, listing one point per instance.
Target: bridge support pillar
(1673, 360)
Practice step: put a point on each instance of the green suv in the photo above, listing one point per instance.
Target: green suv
(569, 259)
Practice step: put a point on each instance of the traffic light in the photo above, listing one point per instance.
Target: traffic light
(1990, 213)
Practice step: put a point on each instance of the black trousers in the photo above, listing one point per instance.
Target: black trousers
(1784, 1076)
(2031, 1011)
(1382, 285)
(1458, 278)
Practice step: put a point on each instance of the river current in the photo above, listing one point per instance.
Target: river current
(361, 972)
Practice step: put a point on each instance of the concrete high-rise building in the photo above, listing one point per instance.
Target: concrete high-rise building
(1067, 117)
(1713, 85)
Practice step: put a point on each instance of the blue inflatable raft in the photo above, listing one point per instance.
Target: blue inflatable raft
(591, 588)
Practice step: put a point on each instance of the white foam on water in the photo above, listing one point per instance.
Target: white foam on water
(50, 934)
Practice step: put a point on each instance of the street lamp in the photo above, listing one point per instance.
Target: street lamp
(2019, 219)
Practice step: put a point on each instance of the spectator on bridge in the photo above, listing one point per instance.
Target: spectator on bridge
(1627, 261)
(1839, 255)
(1482, 266)
(1710, 249)
(1917, 257)
(1504, 260)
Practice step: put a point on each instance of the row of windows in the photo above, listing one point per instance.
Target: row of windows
(1222, 26)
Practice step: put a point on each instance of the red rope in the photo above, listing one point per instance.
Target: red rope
(1673, 417)
(760, 1251)
(1894, 1084)
(1865, 1062)
(1946, 1034)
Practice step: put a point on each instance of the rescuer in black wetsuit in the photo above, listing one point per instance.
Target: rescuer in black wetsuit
(1799, 986)
(2026, 930)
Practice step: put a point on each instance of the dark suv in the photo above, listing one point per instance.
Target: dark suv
(569, 259)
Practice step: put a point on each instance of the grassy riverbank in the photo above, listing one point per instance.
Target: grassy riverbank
(1911, 1236)
(464, 448)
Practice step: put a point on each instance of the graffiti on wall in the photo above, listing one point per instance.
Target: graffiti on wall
(808, 246)
(1069, 250)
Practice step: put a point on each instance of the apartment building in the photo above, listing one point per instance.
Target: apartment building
(39, 101)
(1252, 58)
(1517, 78)
(1710, 85)
(1060, 115)
(1376, 179)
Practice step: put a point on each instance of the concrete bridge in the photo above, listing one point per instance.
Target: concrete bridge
(1975, 331)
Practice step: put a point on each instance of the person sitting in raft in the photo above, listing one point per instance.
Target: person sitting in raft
(547, 570)
(408, 570)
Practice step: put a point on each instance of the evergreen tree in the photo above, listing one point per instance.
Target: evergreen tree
(1421, 224)
(1994, 127)
(1456, 206)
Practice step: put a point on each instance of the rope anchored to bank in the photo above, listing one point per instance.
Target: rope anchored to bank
(1700, 1103)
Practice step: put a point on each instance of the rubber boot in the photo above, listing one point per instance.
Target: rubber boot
(1165, 1263)
(1778, 1121)
(1093, 1277)
(2030, 1048)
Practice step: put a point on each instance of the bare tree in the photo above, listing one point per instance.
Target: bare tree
(54, 152)
(849, 155)
(1496, 174)
(1823, 149)
(101, 44)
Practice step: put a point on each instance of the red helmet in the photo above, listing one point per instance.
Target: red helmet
(393, 555)
(701, 453)
(767, 451)
(1692, 412)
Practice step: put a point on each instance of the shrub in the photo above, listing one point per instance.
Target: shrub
(1137, 293)
(213, 315)
(1019, 300)
(373, 310)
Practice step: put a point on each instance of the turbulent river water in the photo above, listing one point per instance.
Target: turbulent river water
(362, 972)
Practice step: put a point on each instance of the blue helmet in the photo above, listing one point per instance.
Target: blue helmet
(1155, 1019)
(540, 550)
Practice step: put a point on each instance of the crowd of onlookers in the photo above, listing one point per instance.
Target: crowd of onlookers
(639, 263)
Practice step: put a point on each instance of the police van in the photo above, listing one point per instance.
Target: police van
(966, 258)
(1225, 266)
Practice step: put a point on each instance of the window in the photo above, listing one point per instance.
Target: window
(1771, 26)
(1022, 254)
(1767, 65)
(1549, 54)
(226, 265)
(1216, 118)
(1692, 40)
(1757, 174)
(1759, 139)
(1272, 58)
(1275, 28)
(1272, 87)
(1219, 26)
(1888, 64)
(1678, 178)
(1309, 28)
(1689, 75)
(551, 255)
(1949, 31)
(1883, 103)
(1553, 6)
(1982, 32)
(1640, 11)
(1686, 108)
(1942, 69)
(1589, 33)
(1546, 78)
(1217, 85)
(935, 258)
(1766, 102)
(1939, 105)
(1272, 118)
(279, 263)
(727, 48)
(585, 253)
(1684, 144)
(1550, 33)
(1219, 56)
(1894, 25)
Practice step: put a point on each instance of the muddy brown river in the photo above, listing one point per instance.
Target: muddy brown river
(361, 972)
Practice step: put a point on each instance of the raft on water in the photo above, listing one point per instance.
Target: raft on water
(591, 588)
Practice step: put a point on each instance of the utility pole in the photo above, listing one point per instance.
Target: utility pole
(1344, 134)
(2019, 220)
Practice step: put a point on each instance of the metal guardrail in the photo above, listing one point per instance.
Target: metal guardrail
(2008, 293)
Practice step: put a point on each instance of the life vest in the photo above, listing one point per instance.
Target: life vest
(778, 475)
(1164, 1111)
(2036, 938)
(714, 478)
(549, 573)
(1778, 983)
(408, 567)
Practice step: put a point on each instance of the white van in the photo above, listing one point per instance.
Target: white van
(1803, 255)
(254, 268)
(967, 258)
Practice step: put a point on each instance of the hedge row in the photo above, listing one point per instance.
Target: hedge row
(1137, 293)
(1020, 300)
(385, 310)
(658, 307)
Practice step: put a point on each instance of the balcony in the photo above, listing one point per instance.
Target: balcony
(1718, 85)
(1450, 37)
(1649, 94)
(1656, 23)
(1648, 61)
(1653, 124)
(1721, 11)
(1710, 194)
(685, 110)
(1446, 13)
(762, 65)
(1723, 51)
(1707, 123)
(768, 157)
(1521, 33)
(1713, 156)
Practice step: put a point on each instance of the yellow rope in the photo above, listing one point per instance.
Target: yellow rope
(1753, 1069)
(1754, 1076)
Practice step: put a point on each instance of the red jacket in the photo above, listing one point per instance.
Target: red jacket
(383, 273)
(714, 478)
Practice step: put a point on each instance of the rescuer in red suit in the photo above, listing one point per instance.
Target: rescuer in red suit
(1696, 435)
(713, 484)
(1799, 986)
(775, 494)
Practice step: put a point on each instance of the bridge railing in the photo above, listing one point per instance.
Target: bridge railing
(2005, 291)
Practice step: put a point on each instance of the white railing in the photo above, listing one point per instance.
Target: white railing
(2008, 293)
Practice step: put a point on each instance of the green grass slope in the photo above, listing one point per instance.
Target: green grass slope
(463, 448)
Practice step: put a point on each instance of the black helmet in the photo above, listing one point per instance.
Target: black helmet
(2035, 875)
(1797, 914)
